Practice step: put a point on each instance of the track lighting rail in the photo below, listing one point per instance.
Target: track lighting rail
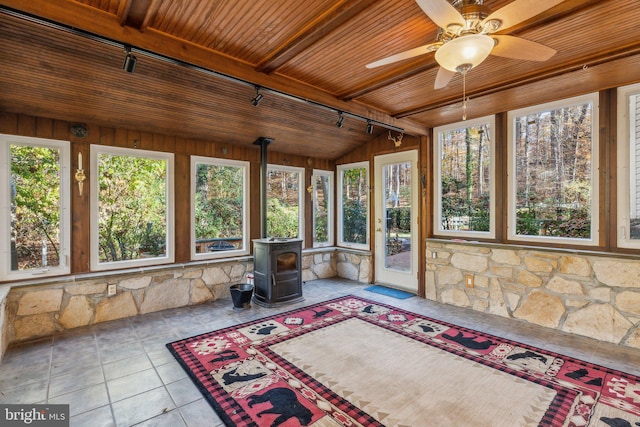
(260, 90)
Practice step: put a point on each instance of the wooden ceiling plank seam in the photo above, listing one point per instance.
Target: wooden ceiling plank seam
(622, 52)
(311, 33)
(123, 11)
(152, 10)
(71, 13)
(401, 73)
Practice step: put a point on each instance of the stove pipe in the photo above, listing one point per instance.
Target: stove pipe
(263, 142)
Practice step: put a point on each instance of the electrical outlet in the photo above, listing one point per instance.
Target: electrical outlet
(111, 290)
(468, 280)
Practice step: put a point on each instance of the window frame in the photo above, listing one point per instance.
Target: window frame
(625, 152)
(594, 239)
(437, 202)
(169, 257)
(301, 176)
(340, 216)
(330, 216)
(246, 236)
(65, 207)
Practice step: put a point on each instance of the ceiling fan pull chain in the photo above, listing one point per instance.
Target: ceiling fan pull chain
(464, 96)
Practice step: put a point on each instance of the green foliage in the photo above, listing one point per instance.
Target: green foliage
(554, 222)
(455, 204)
(282, 220)
(399, 219)
(35, 172)
(132, 194)
(354, 223)
(219, 202)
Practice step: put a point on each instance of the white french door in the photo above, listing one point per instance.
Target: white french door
(396, 224)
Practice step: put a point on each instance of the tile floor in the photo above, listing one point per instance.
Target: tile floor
(121, 374)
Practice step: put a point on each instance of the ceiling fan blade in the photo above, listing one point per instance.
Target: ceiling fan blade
(520, 10)
(517, 48)
(441, 12)
(421, 50)
(443, 78)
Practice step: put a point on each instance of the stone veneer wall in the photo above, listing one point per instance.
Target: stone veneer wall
(4, 321)
(51, 306)
(597, 296)
(355, 265)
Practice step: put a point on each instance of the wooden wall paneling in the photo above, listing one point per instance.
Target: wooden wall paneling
(608, 191)
(44, 128)
(26, 125)
(80, 210)
(309, 213)
(107, 136)
(254, 202)
(182, 203)
(134, 139)
(93, 135)
(8, 123)
(424, 215)
(500, 162)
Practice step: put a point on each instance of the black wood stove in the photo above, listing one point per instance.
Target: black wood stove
(277, 270)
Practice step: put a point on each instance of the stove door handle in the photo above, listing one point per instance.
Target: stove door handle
(273, 279)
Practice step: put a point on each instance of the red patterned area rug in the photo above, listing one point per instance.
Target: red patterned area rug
(355, 362)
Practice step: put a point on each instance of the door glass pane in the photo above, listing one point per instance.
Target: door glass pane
(397, 212)
(35, 207)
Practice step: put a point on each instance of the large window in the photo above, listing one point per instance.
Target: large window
(132, 207)
(220, 199)
(553, 173)
(34, 207)
(285, 203)
(353, 206)
(464, 179)
(629, 166)
(322, 192)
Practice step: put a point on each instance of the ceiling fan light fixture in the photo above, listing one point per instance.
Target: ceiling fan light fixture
(465, 51)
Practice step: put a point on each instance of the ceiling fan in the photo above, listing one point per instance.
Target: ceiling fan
(466, 38)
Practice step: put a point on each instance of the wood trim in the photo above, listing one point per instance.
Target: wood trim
(608, 191)
(502, 180)
(323, 25)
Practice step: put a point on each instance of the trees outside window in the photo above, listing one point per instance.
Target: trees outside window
(35, 217)
(464, 179)
(553, 172)
(353, 205)
(629, 166)
(220, 199)
(322, 191)
(132, 207)
(285, 213)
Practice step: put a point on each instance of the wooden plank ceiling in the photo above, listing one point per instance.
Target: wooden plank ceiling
(67, 64)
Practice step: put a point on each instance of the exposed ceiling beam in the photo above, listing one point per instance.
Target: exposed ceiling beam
(324, 24)
(395, 75)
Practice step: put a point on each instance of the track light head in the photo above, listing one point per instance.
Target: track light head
(256, 100)
(369, 127)
(129, 64)
(340, 119)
